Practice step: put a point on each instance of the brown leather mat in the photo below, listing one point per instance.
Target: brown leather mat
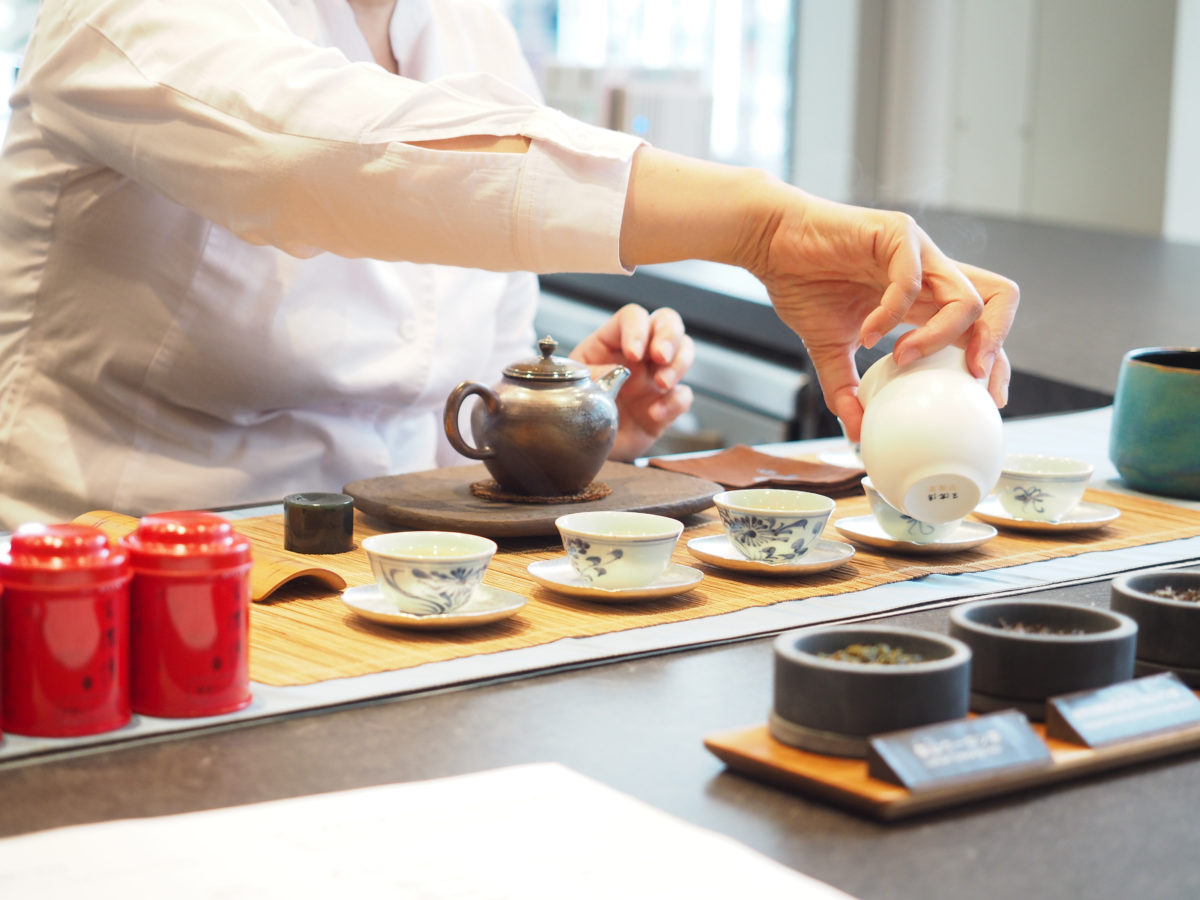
(743, 467)
(303, 634)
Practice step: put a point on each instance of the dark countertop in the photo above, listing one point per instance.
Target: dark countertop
(638, 726)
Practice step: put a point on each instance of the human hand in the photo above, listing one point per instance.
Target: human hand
(840, 276)
(657, 352)
(844, 276)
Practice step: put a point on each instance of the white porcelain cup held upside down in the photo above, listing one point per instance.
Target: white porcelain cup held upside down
(931, 436)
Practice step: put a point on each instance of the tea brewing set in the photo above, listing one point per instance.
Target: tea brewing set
(157, 622)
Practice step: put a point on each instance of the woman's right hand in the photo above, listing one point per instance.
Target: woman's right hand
(840, 276)
(844, 276)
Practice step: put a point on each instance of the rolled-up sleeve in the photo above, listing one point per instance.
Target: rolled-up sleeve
(220, 107)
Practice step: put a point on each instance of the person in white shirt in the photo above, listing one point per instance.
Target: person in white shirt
(247, 247)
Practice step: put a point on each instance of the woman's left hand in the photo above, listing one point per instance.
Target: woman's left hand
(658, 353)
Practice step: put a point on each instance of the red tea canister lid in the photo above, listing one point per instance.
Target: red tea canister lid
(61, 556)
(185, 541)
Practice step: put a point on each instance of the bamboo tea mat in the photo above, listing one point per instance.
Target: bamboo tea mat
(302, 634)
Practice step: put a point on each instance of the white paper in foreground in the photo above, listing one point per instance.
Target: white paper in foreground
(525, 833)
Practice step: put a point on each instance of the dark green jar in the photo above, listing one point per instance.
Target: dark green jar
(318, 523)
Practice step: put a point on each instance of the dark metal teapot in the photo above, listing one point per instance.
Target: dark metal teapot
(546, 429)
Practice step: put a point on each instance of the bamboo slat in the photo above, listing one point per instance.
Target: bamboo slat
(302, 634)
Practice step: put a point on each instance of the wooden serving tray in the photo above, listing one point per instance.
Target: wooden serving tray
(441, 499)
(845, 782)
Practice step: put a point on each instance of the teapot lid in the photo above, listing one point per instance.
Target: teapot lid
(548, 367)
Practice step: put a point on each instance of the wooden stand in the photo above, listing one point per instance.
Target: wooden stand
(845, 782)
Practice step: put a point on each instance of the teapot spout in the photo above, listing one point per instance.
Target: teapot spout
(611, 381)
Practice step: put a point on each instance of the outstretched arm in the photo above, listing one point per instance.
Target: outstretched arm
(840, 276)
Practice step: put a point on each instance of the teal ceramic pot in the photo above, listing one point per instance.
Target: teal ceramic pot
(1155, 439)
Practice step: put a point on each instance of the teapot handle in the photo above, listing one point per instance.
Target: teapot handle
(450, 417)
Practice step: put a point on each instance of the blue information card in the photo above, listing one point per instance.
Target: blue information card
(1122, 711)
(957, 752)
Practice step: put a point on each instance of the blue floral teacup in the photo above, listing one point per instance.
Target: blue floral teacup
(428, 572)
(901, 526)
(1042, 488)
(772, 525)
(613, 549)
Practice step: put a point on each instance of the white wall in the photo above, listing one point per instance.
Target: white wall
(990, 136)
(825, 100)
(916, 102)
(1055, 110)
(1181, 221)
(1101, 112)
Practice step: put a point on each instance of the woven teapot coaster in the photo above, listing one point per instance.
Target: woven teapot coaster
(490, 490)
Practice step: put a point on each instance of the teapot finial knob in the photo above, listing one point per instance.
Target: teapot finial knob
(547, 346)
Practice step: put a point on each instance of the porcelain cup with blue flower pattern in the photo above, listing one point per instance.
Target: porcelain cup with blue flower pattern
(1042, 488)
(773, 525)
(428, 572)
(902, 526)
(614, 549)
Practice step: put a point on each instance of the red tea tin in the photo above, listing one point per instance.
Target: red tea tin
(1, 661)
(64, 664)
(190, 600)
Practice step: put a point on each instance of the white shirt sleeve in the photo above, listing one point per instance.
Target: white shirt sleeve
(219, 106)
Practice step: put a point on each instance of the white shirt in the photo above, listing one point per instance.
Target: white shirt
(224, 274)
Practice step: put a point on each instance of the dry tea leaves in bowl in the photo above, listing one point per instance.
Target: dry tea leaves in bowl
(1184, 595)
(873, 654)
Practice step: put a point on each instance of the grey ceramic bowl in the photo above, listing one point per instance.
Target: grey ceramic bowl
(833, 707)
(1013, 669)
(1168, 629)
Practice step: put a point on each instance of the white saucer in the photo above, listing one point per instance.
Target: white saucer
(559, 575)
(868, 531)
(1082, 518)
(717, 549)
(489, 604)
